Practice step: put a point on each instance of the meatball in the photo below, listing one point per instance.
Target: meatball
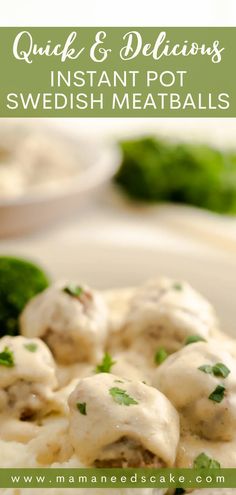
(163, 313)
(27, 377)
(138, 426)
(72, 320)
(200, 381)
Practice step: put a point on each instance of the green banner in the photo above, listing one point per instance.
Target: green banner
(117, 478)
(117, 72)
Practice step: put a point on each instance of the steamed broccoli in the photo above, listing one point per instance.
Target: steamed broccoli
(20, 280)
(155, 170)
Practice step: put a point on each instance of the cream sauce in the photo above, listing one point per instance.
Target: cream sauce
(130, 324)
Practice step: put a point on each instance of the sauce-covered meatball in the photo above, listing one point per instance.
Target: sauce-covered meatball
(200, 381)
(163, 313)
(72, 320)
(27, 377)
(120, 423)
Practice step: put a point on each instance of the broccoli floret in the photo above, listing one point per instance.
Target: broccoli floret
(20, 280)
(142, 172)
(155, 170)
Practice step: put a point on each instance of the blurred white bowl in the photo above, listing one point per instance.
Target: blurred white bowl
(41, 206)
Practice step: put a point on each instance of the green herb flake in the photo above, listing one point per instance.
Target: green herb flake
(202, 461)
(206, 368)
(82, 408)
(106, 364)
(177, 286)
(192, 339)
(7, 358)
(73, 290)
(219, 369)
(218, 394)
(121, 397)
(160, 355)
(31, 347)
(179, 491)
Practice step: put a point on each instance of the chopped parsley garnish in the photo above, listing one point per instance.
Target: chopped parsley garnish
(119, 381)
(121, 397)
(177, 286)
(106, 364)
(219, 369)
(179, 491)
(74, 290)
(206, 368)
(82, 408)
(31, 346)
(202, 461)
(7, 358)
(160, 355)
(218, 394)
(192, 339)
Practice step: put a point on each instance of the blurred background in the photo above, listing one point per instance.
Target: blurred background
(114, 201)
